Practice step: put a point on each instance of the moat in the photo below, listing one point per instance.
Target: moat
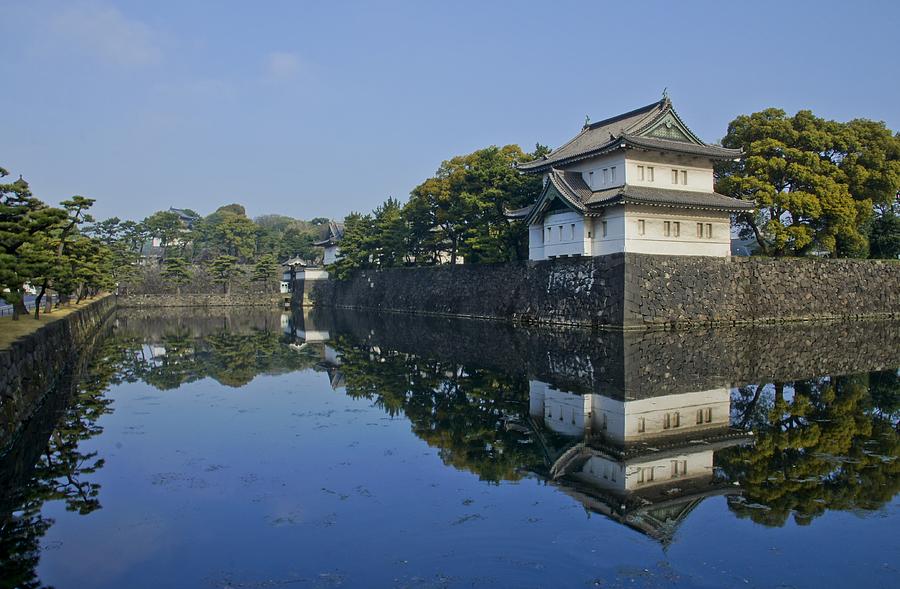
(333, 448)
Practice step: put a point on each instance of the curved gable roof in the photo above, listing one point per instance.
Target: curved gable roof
(655, 126)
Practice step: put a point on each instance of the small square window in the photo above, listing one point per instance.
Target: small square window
(641, 172)
(709, 231)
(641, 226)
(641, 424)
(605, 175)
(572, 227)
(591, 178)
(603, 227)
(612, 174)
(667, 228)
(649, 173)
(700, 230)
(684, 177)
(676, 229)
(699, 415)
(674, 176)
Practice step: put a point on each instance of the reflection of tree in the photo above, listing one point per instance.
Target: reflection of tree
(832, 445)
(60, 473)
(232, 359)
(462, 410)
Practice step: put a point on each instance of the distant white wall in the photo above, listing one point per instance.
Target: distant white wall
(332, 253)
(312, 274)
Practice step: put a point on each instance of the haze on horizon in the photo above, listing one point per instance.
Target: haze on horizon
(320, 109)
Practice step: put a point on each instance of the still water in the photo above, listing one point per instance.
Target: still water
(339, 449)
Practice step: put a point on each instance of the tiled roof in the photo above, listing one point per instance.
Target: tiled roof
(630, 194)
(713, 151)
(624, 131)
(335, 234)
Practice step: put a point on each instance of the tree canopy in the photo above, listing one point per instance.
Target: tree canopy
(816, 183)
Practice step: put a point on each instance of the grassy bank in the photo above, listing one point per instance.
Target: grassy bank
(11, 330)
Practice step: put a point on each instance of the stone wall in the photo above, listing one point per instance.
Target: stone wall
(630, 290)
(148, 280)
(569, 291)
(234, 299)
(33, 364)
(673, 290)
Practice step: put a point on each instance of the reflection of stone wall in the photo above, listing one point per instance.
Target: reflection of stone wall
(630, 364)
(235, 299)
(33, 364)
(631, 290)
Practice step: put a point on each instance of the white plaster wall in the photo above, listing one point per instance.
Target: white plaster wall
(536, 242)
(332, 253)
(699, 172)
(620, 420)
(559, 237)
(562, 412)
(312, 274)
(596, 165)
(604, 473)
(699, 466)
(614, 241)
(654, 240)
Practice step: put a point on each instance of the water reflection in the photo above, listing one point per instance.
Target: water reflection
(641, 427)
(787, 422)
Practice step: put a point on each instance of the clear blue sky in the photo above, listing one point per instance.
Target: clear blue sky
(316, 109)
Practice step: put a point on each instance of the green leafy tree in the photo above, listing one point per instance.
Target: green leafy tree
(884, 236)
(356, 246)
(23, 219)
(265, 271)
(223, 268)
(177, 271)
(814, 181)
(462, 206)
(165, 226)
(76, 214)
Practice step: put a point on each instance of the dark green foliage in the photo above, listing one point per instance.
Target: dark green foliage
(265, 270)
(177, 272)
(223, 269)
(884, 236)
(815, 182)
(457, 214)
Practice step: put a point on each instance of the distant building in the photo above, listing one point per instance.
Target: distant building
(333, 236)
(187, 217)
(638, 182)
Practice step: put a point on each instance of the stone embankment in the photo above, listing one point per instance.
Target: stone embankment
(237, 299)
(33, 364)
(630, 291)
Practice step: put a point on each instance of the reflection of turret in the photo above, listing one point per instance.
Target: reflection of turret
(644, 462)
